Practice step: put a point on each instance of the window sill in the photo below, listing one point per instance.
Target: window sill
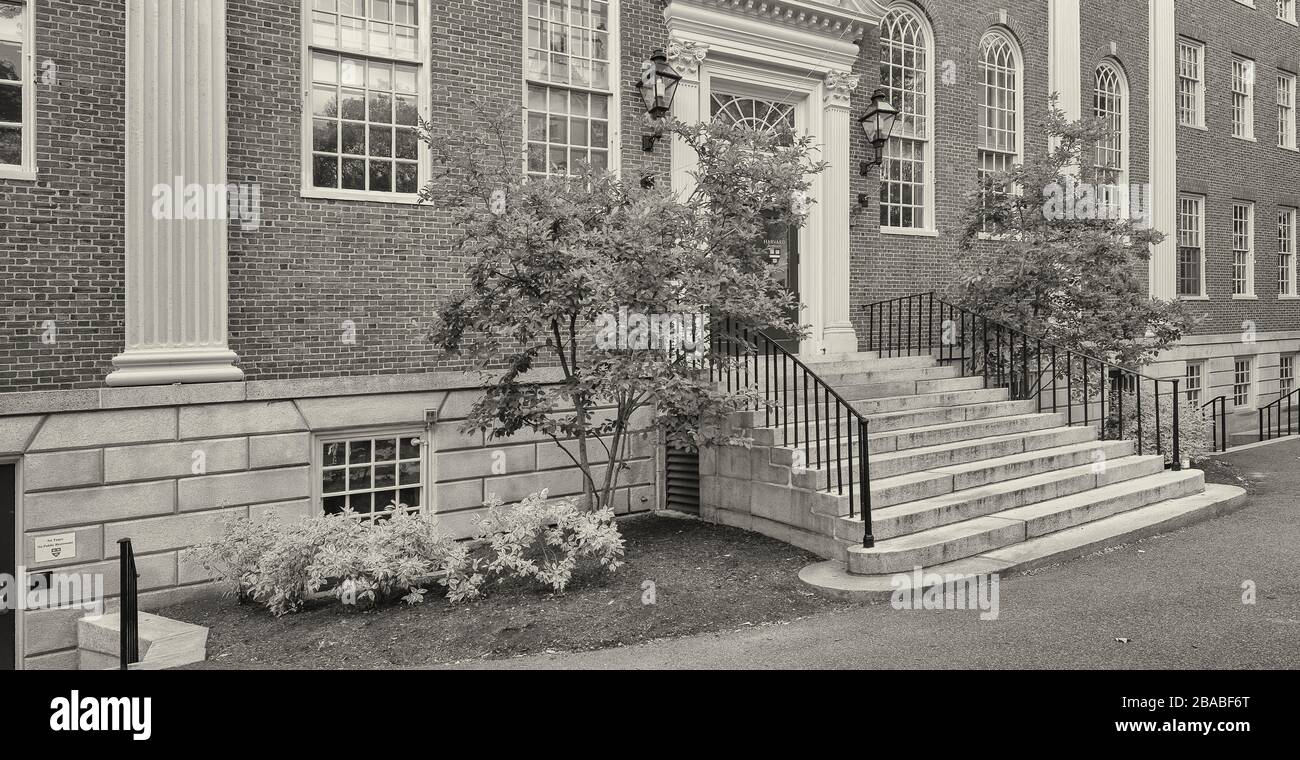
(1291, 148)
(17, 173)
(1193, 298)
(1244, 139)
(1245, 298)
(1288, 298)
(906, 232)
(1197, 127)
(363, 196)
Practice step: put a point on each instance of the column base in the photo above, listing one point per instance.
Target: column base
(840, 339)
(175, 365)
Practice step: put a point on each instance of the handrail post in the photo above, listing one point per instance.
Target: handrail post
(1178, 449)
(129, 615)
(868, 539)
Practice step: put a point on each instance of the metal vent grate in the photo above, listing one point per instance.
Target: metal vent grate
(682, 486)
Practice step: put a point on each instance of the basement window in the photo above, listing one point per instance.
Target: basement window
(371, 474)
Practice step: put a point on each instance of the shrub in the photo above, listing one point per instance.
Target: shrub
(546, 541)
(1193, 428)
(368, 563)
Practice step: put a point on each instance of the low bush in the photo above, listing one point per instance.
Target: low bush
(400, 555)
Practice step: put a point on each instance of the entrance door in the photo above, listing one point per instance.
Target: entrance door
(783, 252)
(8, 565)
(782, 240)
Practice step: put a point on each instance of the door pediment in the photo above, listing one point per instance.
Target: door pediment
(817, 35)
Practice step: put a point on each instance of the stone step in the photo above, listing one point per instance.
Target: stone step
(916, 401)
(766, 431)
(164, 643)
(900, 489)
(981, 535)
(839, 380)
(924, 514)
(904, 386)
(891, 421)
(963, 452)
(833, 579)
(829, 366)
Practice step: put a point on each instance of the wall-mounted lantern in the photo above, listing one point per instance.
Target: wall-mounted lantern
(658, 87)
(878, 124)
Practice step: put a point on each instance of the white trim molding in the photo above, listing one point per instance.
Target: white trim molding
(1163, 123)
(1065, 59)
(176, 269)
(25, 170)
(800, 52)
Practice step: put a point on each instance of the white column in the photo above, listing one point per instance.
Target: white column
(1163, 198)
(1064, 75)
(176, 267)
(839, 335)
(686, 57)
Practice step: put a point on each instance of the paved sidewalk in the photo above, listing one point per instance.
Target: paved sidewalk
(1175, 599)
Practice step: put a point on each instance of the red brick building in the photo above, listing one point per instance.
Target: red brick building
(132, 340)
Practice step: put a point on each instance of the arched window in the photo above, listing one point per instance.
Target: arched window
(1000, 111)
(906, 75)
(1110, 105)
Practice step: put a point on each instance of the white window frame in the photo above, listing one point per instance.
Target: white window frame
(26, 169)
(1251, 395)
(1199, 231)
(1248, 287)
(1108, 196)
(1242, 98)
(930, 227)
(1286, 11)
(1197, 83)
(428, 475)
(986, 154)
(1286, 110)
(1194, 383)
(423, 60)
(1286, 373)
(614, 93)
(1287, 238)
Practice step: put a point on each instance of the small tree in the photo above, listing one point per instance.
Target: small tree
(596, 277)
(1053, 248)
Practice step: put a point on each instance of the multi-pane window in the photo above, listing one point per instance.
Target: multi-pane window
(1286, 10)
(1243, 98)
(570, 90)
(1243, 249)
(1110, 107)
(1286, 248)
(1286, 374)
(1243, 383)
(1195, 383)
(905, 66)
(372, 474)
(1191, 83)
(1286, 110)
(366, 95)
(1191, 247)
(999, 113)
(16, 96)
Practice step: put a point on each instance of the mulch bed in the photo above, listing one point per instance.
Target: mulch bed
(707, 578)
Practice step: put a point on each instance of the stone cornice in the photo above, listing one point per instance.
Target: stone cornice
(848, 19)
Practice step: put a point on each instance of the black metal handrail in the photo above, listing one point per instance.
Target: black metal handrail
(1287, 422)
(1218, 418)
(129, 616)
(925, 324)
(755, 360)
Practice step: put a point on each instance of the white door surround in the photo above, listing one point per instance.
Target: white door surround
(800, 52)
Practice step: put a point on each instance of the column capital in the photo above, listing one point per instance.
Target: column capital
(686, 56)
(840, 86)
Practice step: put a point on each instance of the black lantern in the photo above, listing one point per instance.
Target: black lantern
(658, 87)
(878, 124)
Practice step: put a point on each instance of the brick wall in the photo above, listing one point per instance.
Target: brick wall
(61, 237)
(1224, 169)
(889, 265)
